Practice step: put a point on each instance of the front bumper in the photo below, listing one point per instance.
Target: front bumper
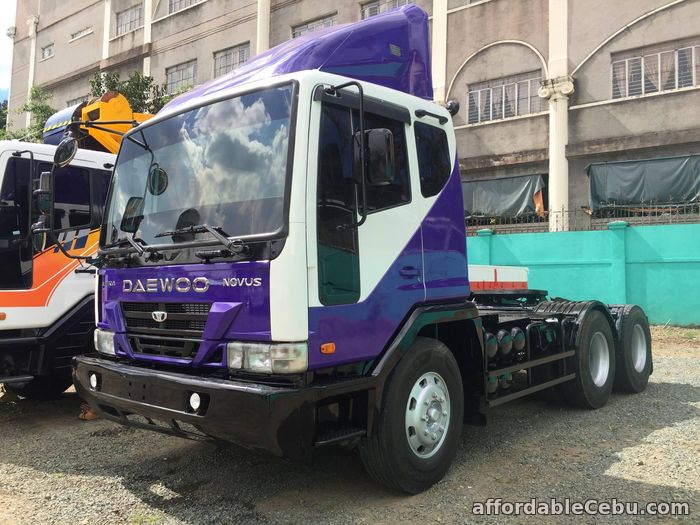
(278, 419)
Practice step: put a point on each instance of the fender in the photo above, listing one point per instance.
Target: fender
(420, 317)
(577, 310)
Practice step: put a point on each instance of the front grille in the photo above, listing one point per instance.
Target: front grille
(183, 319)
(164, 346)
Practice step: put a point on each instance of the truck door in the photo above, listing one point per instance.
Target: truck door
(368, 277)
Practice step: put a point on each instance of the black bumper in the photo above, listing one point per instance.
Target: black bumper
(280, 420)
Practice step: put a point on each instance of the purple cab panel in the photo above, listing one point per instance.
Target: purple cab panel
(361, 331)
(390, 49)
(235, 297)
(444, 244)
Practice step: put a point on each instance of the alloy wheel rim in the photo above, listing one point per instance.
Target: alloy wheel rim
(638, 346)
(427, 415)
(599, 359)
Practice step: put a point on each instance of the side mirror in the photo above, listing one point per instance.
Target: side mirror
(133, 214)
(65, 151)
(381, 165)
(44, 193)
(379, 156)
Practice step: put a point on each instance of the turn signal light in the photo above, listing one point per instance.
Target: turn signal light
(3, 316)
(328, 348)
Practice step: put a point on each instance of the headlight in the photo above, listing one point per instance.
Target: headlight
(104, 341)
(275, 358)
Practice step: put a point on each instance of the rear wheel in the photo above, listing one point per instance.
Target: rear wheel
(42, 387)
(594, 364)
(420, 425)
(633, 357)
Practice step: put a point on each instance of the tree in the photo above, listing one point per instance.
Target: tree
(37, 105)
(143, 94)
(3, 115)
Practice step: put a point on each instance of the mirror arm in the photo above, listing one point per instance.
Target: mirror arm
(101, 124)
(52, 236)
(139, 249)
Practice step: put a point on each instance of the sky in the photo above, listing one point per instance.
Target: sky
(8, 7)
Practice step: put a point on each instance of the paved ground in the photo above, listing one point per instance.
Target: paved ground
(57, 469)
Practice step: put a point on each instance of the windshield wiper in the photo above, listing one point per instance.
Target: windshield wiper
(127, 240)
(233, 245)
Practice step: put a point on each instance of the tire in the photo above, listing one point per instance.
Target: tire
(594, 364)
(42, 387)
(552, 395)
(633, 360)
(392, 455)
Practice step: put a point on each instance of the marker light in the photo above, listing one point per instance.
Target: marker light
(275, 358)
(3, 316)
(328, 348)
(195, 402)
(104, 341)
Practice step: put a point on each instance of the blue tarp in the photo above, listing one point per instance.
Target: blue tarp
(664, 181)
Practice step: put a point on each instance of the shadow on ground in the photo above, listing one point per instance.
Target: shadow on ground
(529, 449)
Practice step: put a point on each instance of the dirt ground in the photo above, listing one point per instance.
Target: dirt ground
(642, 448)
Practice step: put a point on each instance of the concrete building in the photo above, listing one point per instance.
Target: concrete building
(545, 86)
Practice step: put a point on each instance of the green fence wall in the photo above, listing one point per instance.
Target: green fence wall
(656, 267)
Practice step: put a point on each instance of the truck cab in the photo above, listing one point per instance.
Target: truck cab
(283, 266)
(46, 303)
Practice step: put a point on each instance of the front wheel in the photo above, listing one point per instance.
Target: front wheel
(42, 387)
(420, 425)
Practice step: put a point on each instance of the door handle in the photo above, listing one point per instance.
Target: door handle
(409, 272)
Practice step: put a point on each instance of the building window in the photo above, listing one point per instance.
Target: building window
(376, 7)
(654, 72)
(178, 5)
(47, 51)
(76, 101)
(80, 34)
(229, 59)
(308, 27)
(181, 77)
(504, 98)
(129, 19)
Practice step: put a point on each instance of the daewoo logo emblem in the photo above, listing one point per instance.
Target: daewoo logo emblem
(159, 316)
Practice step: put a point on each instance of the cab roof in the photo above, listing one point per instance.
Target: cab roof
(390, 49)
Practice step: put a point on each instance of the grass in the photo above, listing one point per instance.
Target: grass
(146, 519)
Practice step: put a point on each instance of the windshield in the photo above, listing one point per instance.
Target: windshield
(223, 165)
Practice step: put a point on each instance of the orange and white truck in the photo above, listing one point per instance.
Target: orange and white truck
(46, 298)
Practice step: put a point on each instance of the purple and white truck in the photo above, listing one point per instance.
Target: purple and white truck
(283, 266)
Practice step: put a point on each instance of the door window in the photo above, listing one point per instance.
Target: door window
(72, 198)
(15, 250)
(336, 210)
(433, 158)
(397, 192)
(14, 200)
